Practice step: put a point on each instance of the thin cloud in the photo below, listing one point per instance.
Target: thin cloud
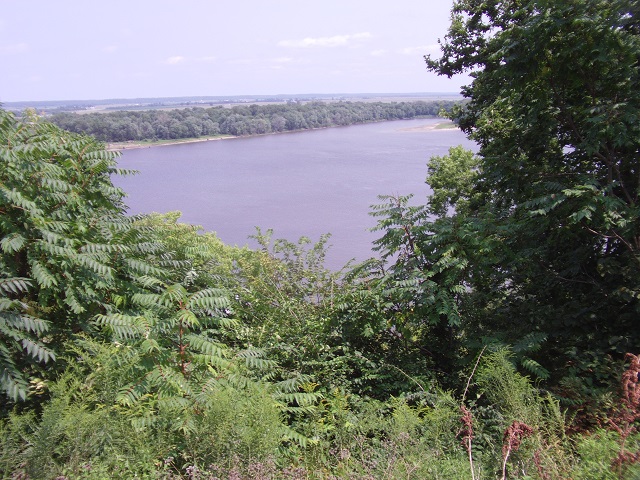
(110, 49)
(379, 53)
(273, 62)
(335, 41)
(280, 62)
(174, 60)
(420, 50)
(242, 61)
(13, 49)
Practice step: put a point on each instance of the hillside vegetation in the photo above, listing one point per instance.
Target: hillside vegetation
(495, 336)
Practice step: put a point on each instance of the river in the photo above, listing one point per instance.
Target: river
(303, 183)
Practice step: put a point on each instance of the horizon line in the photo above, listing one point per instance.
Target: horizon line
(235, 96)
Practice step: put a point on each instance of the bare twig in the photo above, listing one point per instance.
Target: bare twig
(464, 395)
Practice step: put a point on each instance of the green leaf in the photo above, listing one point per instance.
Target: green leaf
(43, 276)
(12, 243)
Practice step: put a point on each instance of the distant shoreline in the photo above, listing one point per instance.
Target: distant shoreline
(120, 146)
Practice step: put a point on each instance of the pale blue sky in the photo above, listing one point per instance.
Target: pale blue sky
(81, 49)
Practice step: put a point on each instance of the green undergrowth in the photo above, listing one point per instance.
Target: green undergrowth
(82, 432)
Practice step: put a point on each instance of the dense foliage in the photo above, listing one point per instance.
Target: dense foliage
(554, 197)
(488, 340)
(67, 247)
(239, 120)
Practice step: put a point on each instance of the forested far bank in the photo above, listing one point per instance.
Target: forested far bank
(123, 126)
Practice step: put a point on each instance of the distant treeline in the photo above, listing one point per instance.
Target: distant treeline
(242, 120)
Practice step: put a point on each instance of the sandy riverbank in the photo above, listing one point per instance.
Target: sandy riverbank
(446, 125)
(119, 146)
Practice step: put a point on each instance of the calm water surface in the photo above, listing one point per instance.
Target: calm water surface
(304, 183)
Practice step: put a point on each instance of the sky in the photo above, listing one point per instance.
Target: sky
(89, 50)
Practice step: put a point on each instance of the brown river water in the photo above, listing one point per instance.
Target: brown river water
(299, 184)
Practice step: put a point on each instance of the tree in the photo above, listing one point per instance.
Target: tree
(67, 252)
(554, 106)
(451, 179)
(403, 312)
